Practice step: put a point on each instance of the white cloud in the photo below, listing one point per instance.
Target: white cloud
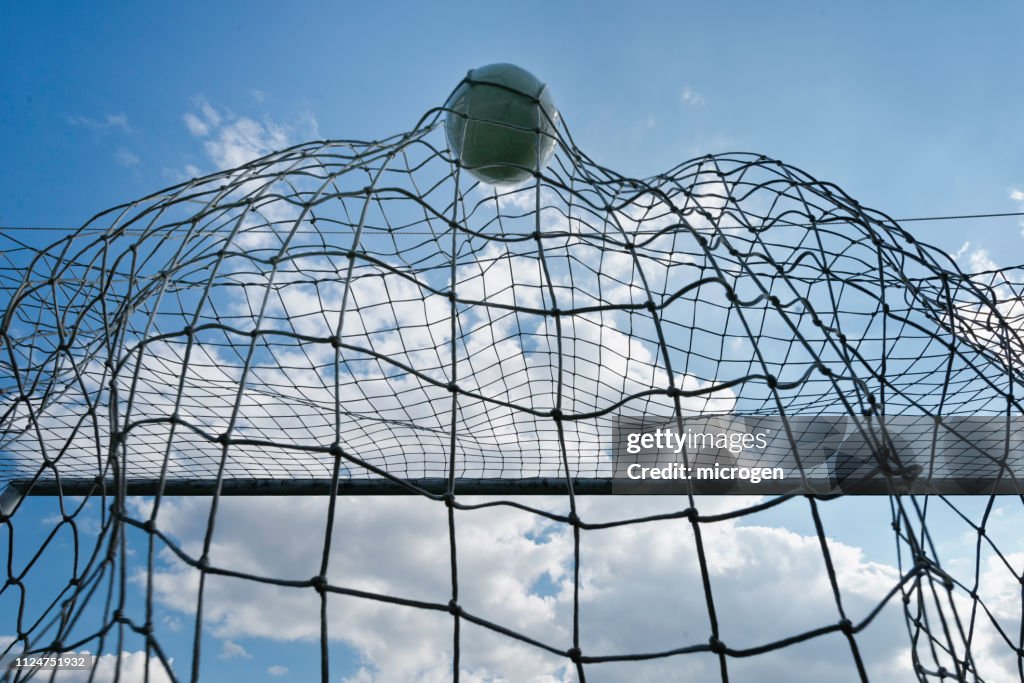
(1017, 195)
(980, 261)
(959, 253)
(204, 117)
(277, 670)
(118, 120)
(692, 98)
(233, 140)
(196, 125)
(230, 141)
(232, 650)
(640, 589)
(992, 324)
(126, 157)
(243, 140)
(290, 398)
(110, 121)
(308, 125)
(212, 116)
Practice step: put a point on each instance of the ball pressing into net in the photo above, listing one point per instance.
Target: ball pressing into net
(501, 123)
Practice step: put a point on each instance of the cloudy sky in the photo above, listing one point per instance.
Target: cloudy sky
(912, 110)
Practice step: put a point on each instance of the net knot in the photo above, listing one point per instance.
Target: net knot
(575, 654)
(846, 626)
(319, 583)
(454, 608)
(717, 646)
(336, 450)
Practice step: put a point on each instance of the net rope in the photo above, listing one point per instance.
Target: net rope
(365, 317)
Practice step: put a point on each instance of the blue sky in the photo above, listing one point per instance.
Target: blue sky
(913, 109)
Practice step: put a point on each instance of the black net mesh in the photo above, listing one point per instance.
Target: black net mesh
(349, 317)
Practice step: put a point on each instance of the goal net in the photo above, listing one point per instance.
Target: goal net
(348, 318)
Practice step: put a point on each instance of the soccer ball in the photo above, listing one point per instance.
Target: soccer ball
(501, 124)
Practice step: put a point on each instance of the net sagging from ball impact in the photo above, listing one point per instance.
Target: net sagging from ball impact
(349, 317)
